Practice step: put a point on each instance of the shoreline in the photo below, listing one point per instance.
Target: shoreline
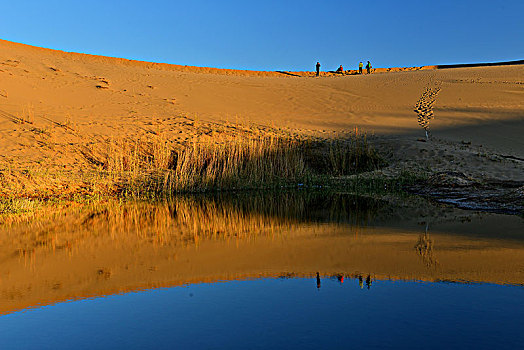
(391, 173)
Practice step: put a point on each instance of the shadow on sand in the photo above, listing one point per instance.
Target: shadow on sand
(468, 65)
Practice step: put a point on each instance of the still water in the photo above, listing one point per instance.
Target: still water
(288, 270)
(280, 313)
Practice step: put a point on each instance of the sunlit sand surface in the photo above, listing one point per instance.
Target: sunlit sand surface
(55, 107)
(74, 128)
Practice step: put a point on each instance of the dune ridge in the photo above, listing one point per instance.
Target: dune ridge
(226, 71)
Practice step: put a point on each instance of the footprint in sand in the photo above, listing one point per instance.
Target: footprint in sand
(10, 63)
(424, 106)
(103, 83)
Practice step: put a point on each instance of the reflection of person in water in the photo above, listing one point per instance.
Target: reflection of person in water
(318, 281)
(368, 281)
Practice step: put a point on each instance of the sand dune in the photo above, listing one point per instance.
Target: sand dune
(54, 104)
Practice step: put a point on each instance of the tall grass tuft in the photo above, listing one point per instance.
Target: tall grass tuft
(236, 163)
(158, 167)
(353, 155)
(149, 168)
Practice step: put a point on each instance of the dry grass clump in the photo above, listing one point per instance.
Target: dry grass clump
(353, 155)
(236, 163)
(132, 157)
(17, 206)
(154, 167)
(157, 167)
(148, 168)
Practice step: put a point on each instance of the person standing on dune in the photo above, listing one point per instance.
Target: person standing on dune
(368, 67)
(360, 65)
(318, 69)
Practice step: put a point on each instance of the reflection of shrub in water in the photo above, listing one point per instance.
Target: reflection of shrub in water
(424, 249)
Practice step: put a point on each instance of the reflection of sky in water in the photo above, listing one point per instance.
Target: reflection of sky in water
(280, 313)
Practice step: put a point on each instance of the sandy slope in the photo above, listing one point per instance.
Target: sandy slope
(54, 105)
(74, 100)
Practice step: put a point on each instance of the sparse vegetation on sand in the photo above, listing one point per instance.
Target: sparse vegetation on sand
(233, 163)
(155, 168)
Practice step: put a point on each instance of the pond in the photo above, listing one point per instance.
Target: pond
(264, 270)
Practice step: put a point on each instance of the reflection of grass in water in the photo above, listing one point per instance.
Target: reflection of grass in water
(424, 249)
(189, 219)
(297, 206)
(238, 215)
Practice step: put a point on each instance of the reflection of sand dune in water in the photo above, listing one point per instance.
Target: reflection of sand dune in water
(132, 247)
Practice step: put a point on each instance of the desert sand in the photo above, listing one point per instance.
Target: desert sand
(56, 106)
(53, 104)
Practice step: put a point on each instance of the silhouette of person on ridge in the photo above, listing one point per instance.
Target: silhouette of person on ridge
(318, 280)
(360, 66)
(340, 69)
(318, 68)
(368, 67)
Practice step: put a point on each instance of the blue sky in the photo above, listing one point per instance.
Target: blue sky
(274, 35)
